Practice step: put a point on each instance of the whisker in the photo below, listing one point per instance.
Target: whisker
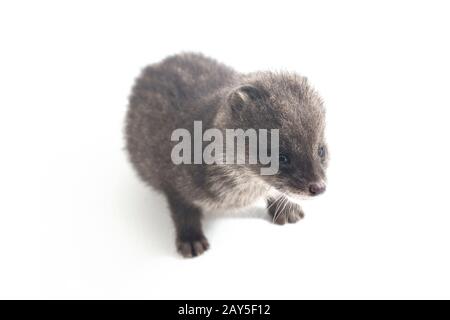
(276, 200)
(284, 207)
(277, 211)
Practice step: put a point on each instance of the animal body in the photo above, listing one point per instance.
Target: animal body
(189, 87)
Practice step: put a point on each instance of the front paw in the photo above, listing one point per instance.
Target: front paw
(285, 212)
(192, 247)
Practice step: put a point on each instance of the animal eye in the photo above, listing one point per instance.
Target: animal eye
(284, 159)
(321, 151)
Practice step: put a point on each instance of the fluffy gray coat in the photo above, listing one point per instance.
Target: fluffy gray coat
(187, 87)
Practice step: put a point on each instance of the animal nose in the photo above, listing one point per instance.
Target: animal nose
(317, 188)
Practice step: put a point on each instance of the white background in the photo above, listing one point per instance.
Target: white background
(77, 223)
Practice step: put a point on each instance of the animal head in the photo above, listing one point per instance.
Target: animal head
(288, 103)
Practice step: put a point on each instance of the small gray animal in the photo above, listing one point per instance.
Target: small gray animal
(187, 87)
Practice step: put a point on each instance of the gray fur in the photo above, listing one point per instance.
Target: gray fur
(187, 87)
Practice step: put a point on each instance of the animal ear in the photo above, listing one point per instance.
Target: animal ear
(244, 95)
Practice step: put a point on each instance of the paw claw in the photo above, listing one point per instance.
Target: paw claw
(291, 214)
(192, 248)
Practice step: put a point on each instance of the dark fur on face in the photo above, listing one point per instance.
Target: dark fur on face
(188, 87)
(286, 102)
